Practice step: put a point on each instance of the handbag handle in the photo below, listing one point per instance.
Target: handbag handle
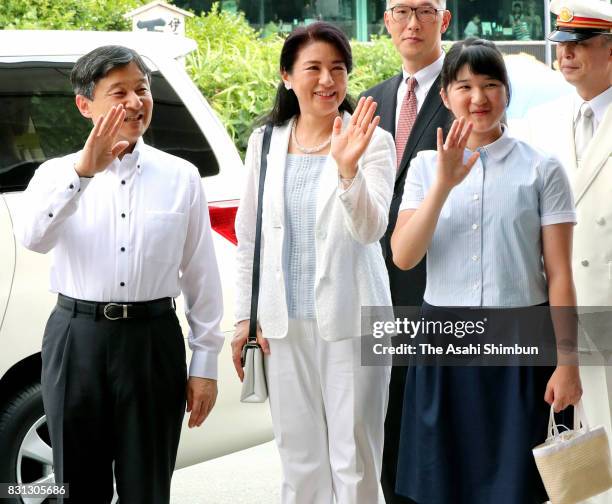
(579, 419)
(263, 165)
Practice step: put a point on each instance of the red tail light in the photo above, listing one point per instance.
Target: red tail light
(222, 217)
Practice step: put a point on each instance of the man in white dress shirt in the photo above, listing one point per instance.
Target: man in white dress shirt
(579, 132)
(129, 230)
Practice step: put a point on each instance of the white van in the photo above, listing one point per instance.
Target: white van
(39, 121)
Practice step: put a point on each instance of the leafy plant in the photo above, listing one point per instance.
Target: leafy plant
(66, 14)
(234, 68)
(373, 62)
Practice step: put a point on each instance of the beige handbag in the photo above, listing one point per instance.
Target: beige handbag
(575, 464)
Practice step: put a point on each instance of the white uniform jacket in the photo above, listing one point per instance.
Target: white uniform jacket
(350, 269)
(551, 129)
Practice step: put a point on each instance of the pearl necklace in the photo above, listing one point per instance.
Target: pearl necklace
(308, 150)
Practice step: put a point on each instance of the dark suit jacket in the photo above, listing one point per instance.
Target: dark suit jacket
(408, 287)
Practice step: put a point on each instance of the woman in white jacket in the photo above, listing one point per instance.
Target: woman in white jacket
(326, 200)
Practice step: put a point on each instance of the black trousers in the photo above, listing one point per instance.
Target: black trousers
(114, 392)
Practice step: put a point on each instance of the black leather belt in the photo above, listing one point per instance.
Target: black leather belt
(116, 311)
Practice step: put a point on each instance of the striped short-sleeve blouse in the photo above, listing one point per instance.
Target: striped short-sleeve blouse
(487, 248)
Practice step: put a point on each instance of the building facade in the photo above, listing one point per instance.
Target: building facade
(503, 20)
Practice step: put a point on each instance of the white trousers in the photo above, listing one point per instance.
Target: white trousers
(328, 414)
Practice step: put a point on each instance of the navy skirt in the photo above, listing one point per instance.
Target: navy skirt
(467, 433)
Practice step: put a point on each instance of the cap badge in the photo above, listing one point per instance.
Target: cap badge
(566, 15)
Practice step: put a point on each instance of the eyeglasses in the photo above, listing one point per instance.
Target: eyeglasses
(424, 14)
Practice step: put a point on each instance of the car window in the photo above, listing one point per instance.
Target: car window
(40, 121)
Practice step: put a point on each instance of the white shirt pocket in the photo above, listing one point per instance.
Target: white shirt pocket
(164, 236)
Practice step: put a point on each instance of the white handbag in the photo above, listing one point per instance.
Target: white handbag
(574, 464)
(254, 387)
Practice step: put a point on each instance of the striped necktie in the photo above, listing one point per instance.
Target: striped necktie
(408, 114)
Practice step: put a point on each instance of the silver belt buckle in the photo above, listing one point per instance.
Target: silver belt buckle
(124, 313)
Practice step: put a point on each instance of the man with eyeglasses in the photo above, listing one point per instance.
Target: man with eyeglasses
(411, 109)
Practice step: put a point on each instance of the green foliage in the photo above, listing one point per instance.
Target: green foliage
(237, 69)
(66, 14)
(373, 62)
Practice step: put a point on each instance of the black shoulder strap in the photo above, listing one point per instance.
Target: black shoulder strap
(265, 148)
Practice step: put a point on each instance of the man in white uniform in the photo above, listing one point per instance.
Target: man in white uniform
(579, 132)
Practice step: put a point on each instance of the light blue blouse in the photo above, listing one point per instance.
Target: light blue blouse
(487, 249)
(302, 175)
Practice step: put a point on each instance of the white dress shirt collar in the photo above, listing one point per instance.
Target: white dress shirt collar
(137, 151)
(129, 159)
(134, 158)
(598, 105)
(426, 76)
